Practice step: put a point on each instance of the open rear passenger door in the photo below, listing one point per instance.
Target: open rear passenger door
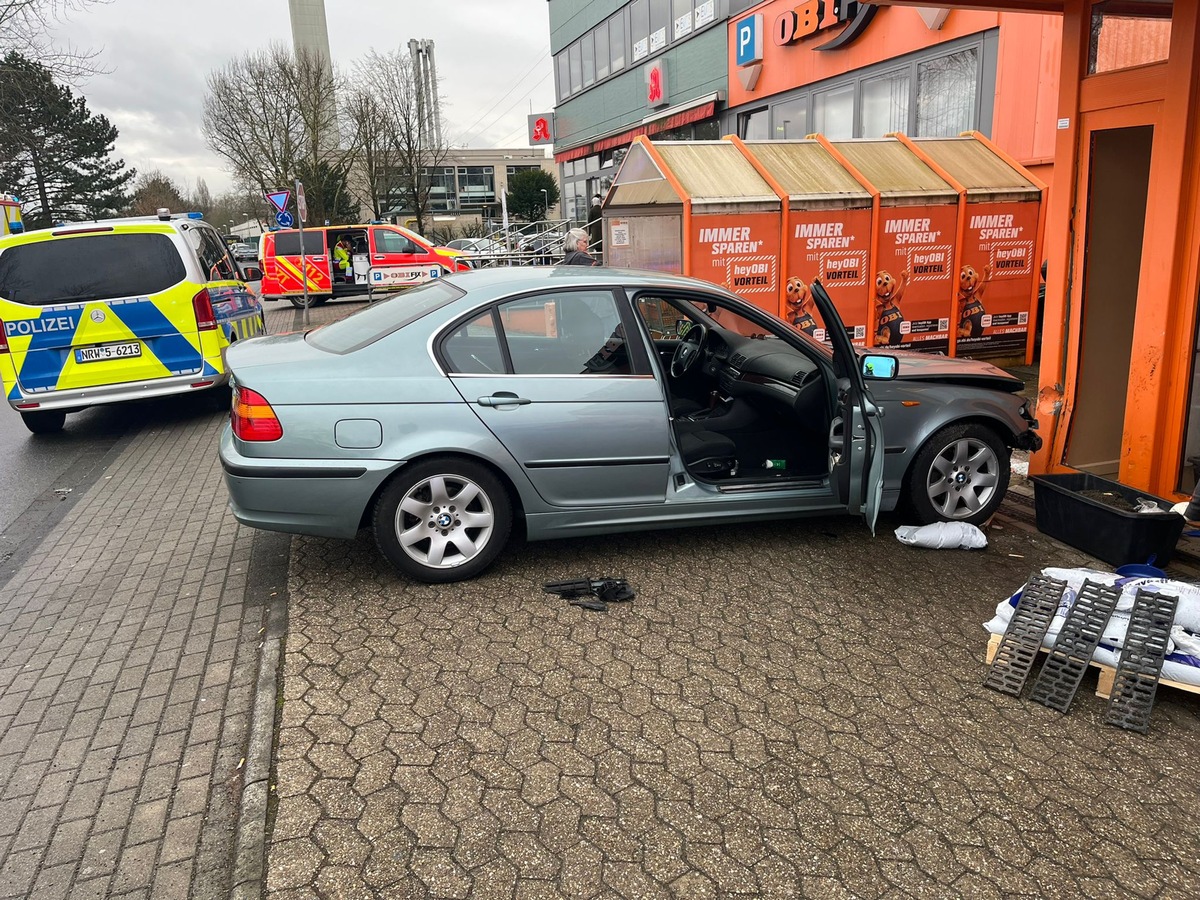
(856, 434)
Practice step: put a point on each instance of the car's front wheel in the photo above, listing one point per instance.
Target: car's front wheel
(443, 519)
(960, 475)
(47, 421)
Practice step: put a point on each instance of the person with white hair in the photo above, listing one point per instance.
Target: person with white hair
(576, 247)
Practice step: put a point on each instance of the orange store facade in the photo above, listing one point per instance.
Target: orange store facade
(795, 69)
(1118, 393)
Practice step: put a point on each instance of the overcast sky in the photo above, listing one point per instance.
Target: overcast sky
(493, 60)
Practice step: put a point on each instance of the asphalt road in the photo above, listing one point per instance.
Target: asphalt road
(42, 475)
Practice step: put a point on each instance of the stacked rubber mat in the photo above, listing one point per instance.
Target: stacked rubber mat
(1141, 658)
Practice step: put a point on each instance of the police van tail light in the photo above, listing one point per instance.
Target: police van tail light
(252, 417)
(206, 319)
(3, 338)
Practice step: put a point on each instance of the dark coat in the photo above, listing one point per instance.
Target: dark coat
(595, 226)
(578, 258)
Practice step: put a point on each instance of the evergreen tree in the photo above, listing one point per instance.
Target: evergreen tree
(55, 154)
(525, 197)
(154, 191)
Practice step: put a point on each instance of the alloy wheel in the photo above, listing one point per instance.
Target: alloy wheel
(963, 478)
(444, 521)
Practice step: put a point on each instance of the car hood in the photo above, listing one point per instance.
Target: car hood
(948, 370)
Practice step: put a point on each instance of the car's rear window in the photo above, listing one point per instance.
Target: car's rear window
(381, 319)
(89, 267)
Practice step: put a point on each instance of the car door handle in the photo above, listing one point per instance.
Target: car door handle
(503, 398)
(379, 256)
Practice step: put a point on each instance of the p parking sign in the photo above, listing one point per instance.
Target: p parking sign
(749, 36)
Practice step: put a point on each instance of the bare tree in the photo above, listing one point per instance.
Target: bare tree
(24, 28)
(274, 117)
(373, 179)
(412, 142)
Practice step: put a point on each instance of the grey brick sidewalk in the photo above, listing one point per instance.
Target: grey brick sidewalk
(127, 659)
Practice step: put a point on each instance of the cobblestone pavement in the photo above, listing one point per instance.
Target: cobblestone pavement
(784, 710)
(128, 653)
(126, 665)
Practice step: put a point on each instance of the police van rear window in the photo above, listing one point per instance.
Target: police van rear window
(89, 267)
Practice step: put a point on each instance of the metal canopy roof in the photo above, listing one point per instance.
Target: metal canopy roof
(977, 168)
(895, 171)
(639, 182)
(715, 172)
(806, 171)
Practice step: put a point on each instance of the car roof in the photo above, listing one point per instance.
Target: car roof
(67, 227)
(520, 278)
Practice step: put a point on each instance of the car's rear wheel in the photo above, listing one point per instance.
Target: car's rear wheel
(443, 519)
(46, 421)
(960, 475)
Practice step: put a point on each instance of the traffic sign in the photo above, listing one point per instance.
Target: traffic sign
(279, 199)
(284, 219)
(301, 204)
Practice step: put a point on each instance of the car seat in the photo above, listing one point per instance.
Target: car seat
(706, 452)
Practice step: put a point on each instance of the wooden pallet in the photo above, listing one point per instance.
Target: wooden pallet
(1107, 673)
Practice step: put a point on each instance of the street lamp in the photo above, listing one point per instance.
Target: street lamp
(546, 202)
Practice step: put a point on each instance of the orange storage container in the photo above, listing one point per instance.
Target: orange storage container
(915, 245)
(827, 218)
(697, 208)
(1001, 250)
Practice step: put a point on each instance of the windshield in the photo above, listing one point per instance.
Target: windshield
(89, 267)
(670, 317)
(380, 319)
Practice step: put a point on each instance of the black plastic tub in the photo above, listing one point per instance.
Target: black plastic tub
(1114, 535)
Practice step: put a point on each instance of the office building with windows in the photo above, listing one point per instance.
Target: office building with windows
(468, 183)
(655, 67)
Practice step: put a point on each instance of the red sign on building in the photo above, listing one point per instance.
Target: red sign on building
(541, 128)
(656, 84)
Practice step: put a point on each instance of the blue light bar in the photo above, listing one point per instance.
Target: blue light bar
(195, 215)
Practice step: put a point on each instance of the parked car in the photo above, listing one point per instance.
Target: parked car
(243, 252)
(553, 396)
(540, 245)
(480, 251)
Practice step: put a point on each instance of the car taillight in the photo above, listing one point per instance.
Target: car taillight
(252, 417)
(3, 338)
(206, 319)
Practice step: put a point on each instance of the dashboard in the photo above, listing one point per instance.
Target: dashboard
(766, 371)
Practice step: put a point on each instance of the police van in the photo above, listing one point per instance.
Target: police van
(118, 309)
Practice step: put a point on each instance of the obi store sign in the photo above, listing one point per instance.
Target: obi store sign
(802, 20)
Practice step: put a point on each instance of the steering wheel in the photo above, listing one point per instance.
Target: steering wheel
(689, 350)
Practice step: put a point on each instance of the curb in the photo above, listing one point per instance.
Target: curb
(268, 569)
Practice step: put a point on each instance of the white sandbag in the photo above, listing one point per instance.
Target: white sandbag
(1183, 641)
(943, 535)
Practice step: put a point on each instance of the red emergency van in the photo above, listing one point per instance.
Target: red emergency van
(381, 258)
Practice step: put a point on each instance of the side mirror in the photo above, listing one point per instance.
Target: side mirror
(251, 273)
(881, 368)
